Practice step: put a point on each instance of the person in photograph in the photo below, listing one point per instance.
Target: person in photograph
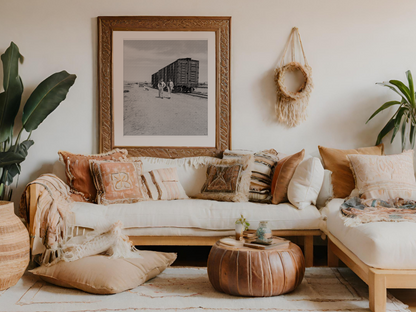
(170, 87)
(161, 85)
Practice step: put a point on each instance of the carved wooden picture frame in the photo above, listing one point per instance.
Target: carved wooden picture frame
(113, 87)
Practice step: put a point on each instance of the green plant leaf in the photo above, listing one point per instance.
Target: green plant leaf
(10, 172)
(383, 107)
(46, 98)
(412, 135)
(9, 158)
(387, 128)
(397, 121)
(403, 89)
(13, 89)
(384, 84)
(403, 132)
(411, 88)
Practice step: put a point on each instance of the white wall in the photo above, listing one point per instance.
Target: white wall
(350, 46)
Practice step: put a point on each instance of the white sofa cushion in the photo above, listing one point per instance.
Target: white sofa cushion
(383, 245)
(195, 213)
(306, 183)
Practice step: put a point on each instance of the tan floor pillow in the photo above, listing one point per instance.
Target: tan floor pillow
(103, 275)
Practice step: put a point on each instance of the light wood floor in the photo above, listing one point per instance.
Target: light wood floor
(197, 256)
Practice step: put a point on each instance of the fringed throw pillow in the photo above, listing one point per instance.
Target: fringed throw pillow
(228, 180)
(118, 182)
(384, 177)
(262, 172)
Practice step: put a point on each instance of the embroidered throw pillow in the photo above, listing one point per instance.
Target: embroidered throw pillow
(336, 160)
(283, 174)
(167, 184)
(262, 174)
(77, 170)
(228, 179)
(118, 182)
(384, 177)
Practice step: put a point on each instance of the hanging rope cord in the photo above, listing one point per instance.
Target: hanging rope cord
(291, 42)
(291, 106)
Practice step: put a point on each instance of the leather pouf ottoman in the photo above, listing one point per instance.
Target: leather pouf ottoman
(255, 273)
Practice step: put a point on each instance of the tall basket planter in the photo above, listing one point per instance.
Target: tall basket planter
(14, 246)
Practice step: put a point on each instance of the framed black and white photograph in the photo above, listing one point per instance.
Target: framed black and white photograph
(168, 92)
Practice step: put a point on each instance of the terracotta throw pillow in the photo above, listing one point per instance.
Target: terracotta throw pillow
(118, 182)
(283, 174)
(77, 170)
(228, 180)
(104, 275)
(336, 161)
(384, 177)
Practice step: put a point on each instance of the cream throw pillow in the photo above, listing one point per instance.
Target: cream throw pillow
(384, 177)
(103, 275)
(306, 183)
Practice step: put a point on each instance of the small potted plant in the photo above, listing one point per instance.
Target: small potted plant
(241, 225)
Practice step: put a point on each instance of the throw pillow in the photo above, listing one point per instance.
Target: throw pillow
(283, 174)
(261, 176)
(118, 182)
(167, 184)
(77, 169)
(384, 177)
(326, 193)
(336, 160)
(104, 275)
(306, 183)
(228, 180)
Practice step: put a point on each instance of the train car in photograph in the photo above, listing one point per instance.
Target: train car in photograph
(184, 73)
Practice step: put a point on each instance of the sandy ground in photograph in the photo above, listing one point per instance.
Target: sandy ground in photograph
(147, 114)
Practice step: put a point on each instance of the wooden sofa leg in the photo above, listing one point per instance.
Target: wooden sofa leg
(308, 248)
(377, 291)
(333, 260)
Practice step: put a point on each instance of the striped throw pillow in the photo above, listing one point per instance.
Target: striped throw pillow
(262, 172)
(167, 183)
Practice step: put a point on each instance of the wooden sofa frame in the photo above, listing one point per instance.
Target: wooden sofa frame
(378, 280)
(191, 240)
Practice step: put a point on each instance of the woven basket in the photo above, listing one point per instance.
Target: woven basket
(14, 246)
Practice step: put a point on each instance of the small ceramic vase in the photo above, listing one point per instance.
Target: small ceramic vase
(239, 229)
(264, 233)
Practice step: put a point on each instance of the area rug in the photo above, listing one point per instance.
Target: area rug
(188, 289)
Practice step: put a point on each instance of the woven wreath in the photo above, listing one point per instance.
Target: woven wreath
(291, 106)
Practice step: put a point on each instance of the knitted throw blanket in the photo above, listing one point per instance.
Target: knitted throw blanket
(356, 211)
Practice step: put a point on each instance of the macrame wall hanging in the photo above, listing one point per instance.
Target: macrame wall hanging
(291, 105)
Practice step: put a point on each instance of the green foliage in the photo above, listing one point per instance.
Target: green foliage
(243, 221)
(44, 100)
(405, 114)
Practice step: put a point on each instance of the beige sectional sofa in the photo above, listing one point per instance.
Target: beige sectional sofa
(190, 221)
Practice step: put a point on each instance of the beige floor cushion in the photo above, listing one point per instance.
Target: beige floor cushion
(103, 275)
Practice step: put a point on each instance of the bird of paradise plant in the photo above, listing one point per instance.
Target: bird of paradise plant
(44, 100)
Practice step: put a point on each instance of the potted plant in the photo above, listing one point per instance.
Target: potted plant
(13, 151)
(404, 119)
(241, 225)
